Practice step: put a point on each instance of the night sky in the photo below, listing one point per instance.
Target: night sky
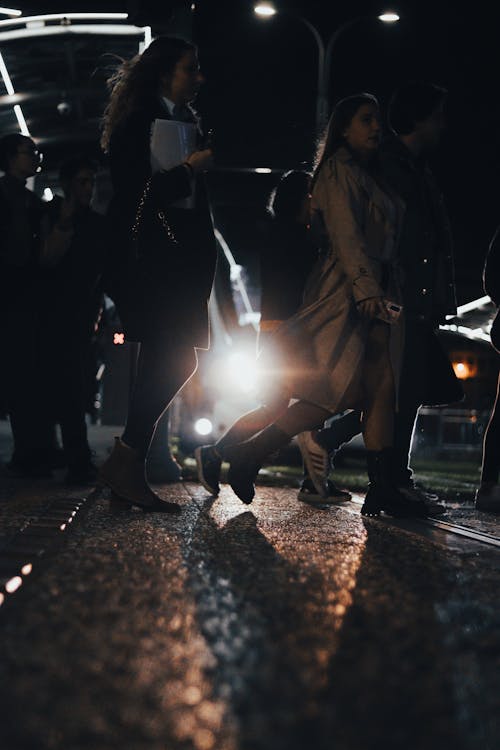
(260, 94)
(261, 89)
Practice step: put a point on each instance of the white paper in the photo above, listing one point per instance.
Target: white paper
(171, 144)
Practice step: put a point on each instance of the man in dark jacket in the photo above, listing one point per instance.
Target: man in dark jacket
(73, 258)
(416, 115)
(21, 213)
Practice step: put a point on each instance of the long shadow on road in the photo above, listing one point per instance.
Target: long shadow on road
(324, 646)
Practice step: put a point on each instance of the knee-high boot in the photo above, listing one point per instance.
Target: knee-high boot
(383, 494)
(245, 460)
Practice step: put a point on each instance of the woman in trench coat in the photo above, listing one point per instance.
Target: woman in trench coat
(343, 347)
(162, 252)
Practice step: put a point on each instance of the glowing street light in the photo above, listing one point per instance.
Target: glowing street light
(389, 17)
(267, 10)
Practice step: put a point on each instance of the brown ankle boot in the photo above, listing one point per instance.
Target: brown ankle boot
(124, 473)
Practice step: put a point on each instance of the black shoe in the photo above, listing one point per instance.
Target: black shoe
(208, 463)
(389, 500)
(241, 476)
(427, 499)
(309, 494)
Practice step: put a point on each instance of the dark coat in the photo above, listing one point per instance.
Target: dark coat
(286, 259)
(21, 224)
(160, 285)
(425, 256)
(72, 287)
(425, 245)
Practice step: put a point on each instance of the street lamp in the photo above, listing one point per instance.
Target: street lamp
(267, 10)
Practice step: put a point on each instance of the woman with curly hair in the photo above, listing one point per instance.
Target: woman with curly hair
(162, 253)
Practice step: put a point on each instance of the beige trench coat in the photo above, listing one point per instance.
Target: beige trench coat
(317, 355)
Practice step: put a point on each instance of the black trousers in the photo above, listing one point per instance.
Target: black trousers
(163, 367)
(66, 343)
(26, 396)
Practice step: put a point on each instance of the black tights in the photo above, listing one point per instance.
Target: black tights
(491, 449)
(162, 370)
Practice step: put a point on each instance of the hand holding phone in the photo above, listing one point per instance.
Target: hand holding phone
(393, 310)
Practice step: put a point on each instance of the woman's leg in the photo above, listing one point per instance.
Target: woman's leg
(251, 423)
(379, 390)
(302, 416)
(247, 458)
(378, 430)
(209, 457)
(261, 431)
(162, 370)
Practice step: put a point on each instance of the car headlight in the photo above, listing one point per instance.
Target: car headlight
(203, 426)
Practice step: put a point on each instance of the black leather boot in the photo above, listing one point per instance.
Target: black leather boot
(245, 460)
(383, 494)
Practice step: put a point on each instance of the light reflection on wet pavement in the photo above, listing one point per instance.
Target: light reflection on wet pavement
(274, 626)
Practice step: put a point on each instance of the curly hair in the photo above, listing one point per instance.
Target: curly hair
(137, 80)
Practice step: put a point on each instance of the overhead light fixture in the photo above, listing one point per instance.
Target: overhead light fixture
(22, 122)
(10, 12)
(474, 305)
(11, 91)
(6, 77)
(69, 16)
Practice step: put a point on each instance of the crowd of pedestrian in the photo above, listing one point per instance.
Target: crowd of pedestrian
(356, 275)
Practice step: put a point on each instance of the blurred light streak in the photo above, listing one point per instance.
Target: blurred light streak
(238, 280)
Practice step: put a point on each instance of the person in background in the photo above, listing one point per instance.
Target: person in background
(21, 227)
(488, 493)
(342, 349)
(162, 255)
(288, 252)
(73, 258)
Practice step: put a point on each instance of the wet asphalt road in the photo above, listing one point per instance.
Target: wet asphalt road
(271, 627)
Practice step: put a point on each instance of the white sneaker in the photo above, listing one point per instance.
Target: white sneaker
(316, 460)
(488, 497)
